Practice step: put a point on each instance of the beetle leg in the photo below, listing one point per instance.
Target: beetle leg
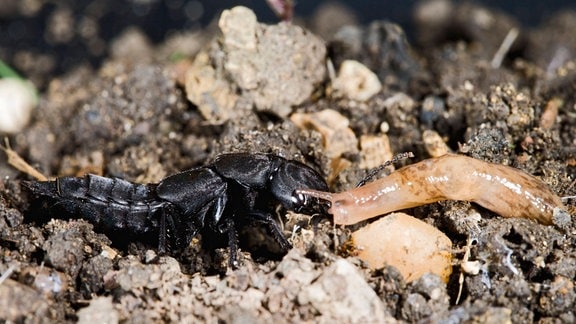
(219, 207)
(232, 242)
(162, 244)
(268, 220)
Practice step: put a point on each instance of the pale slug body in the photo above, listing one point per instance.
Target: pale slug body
(504, 190)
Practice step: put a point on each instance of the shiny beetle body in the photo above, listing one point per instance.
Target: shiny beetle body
(237, 188)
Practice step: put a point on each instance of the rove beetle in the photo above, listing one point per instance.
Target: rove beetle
(237, 188)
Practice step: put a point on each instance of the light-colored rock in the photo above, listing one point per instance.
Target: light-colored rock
(337, 136)
(209, 91)
(375, 150)
(407, 243)
(434, 144)
(101, 310)
(355, 81)
(272, 67)
(17, 100)
(342, 295)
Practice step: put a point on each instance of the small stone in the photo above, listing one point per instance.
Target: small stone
(434, 144)
(210, 92)
(375, 150)
(17, 100)
(18, 300)
(235, 37)
(101, 310)
(337, 136)
(65, 251)
(355, 81)
(150, 256)
(341, 294)
(407, 243)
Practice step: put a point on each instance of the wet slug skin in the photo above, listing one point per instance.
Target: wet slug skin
(504, 190)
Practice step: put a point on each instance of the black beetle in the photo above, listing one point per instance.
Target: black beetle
(235, 186)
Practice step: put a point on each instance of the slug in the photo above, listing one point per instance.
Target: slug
(499, 188)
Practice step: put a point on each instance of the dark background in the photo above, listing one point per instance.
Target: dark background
(529, 12)
(23, 29)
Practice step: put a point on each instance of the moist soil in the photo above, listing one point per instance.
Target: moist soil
(131, 118)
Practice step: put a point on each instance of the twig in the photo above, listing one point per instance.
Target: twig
(7, 273)
(19, 163)
(504, 48)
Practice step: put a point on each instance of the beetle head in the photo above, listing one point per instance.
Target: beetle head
(289, 177)
(308, 204)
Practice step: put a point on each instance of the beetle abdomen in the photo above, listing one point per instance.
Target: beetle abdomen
(109, 204)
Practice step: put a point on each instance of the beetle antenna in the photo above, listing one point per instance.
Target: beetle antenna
(396, 158)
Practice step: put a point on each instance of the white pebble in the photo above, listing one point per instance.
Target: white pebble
(17, 99)
(355, 81)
